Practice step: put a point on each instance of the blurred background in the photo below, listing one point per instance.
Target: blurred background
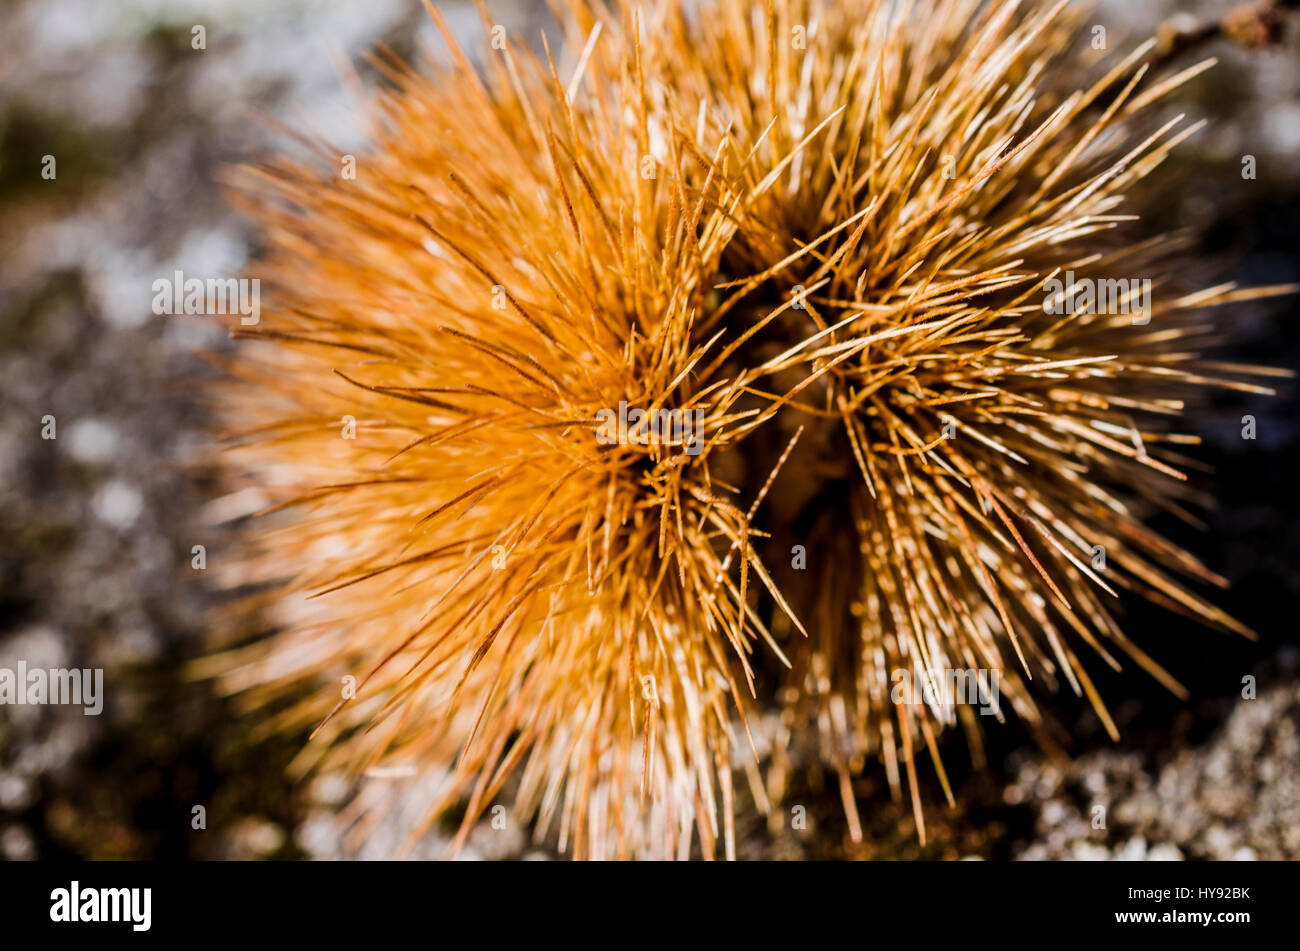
(98, 526)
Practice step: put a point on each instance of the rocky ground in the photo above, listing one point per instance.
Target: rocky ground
(1236, 796)
(98, 524)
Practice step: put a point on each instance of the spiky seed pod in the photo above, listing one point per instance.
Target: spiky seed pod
(953, 179)
(818, 224)
(515, 598)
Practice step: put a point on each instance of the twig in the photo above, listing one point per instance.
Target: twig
(1254, 26)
